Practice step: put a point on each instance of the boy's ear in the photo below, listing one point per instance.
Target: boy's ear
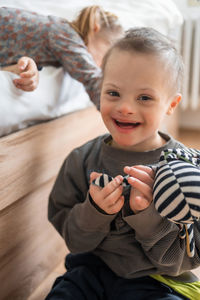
(173, 104)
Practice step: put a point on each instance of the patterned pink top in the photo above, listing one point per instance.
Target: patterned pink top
(49, 40)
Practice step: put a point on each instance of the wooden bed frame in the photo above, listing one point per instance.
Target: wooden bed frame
(30, 248)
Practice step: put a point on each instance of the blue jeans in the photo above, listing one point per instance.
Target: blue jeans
(88, 278)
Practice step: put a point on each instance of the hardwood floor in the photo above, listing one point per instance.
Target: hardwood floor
(189, 137)
(44, 288)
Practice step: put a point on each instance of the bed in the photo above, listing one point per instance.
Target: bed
(37, 132)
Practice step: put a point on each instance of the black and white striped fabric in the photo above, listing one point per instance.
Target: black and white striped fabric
(104, 179)
(176, 190)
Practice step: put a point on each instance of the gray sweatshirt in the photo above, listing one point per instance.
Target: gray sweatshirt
(131, 245)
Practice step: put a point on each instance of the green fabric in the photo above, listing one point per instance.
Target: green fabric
(190, 290)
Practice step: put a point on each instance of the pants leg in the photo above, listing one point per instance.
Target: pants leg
(62, 289)
(82, 279)
(89, 278)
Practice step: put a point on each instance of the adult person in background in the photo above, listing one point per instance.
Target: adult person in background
(78, 46)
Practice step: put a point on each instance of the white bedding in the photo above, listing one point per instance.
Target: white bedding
(58, 93)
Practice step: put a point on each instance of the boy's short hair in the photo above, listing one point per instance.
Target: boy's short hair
(147, 40)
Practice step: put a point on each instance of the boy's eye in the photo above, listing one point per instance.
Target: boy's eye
(113, 93)
(144, 98)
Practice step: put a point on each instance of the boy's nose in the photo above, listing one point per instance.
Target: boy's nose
(126, 106)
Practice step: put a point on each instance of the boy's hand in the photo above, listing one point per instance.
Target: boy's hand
(26, 68)
(141, 179)
(109, 198)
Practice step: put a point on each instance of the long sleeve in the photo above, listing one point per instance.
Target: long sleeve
(161, 241)
(82, 226)
(69, 49)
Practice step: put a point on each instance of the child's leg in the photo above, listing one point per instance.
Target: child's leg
(88, 278)
(83, 279)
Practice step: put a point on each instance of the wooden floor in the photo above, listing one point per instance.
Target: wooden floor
(43, 289)
(190, 138)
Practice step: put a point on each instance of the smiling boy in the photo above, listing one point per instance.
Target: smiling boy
(118, 241)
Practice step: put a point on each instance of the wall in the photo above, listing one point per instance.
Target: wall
(189, 118)
(188, 7)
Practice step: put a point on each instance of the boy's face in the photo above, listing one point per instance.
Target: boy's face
(135, 97)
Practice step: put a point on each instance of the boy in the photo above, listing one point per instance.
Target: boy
(117, 241)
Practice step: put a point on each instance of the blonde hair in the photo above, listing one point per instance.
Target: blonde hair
(91, 15)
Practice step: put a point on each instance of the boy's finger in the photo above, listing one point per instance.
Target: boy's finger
(142, 187)
(94, 175)
(140, 174)
(112, 185)
(112, 198)
(146, 169)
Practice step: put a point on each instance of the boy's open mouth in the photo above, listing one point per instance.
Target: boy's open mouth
(126, 124)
